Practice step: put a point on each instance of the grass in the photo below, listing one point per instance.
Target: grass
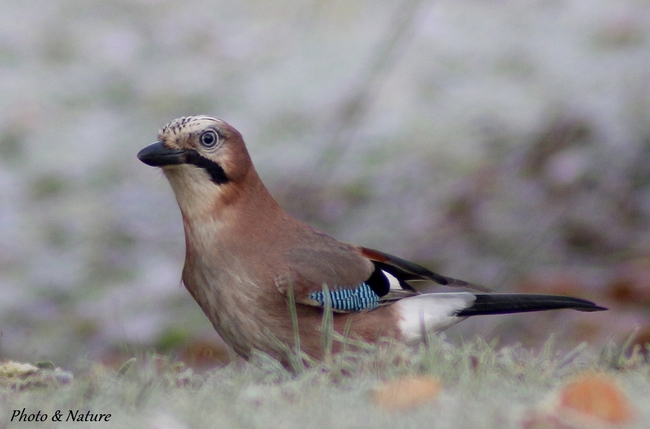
(484, 386)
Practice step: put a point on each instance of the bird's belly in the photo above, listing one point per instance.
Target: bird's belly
(239, 312)
(252, 315)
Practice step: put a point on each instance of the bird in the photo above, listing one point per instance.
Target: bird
(246, 260)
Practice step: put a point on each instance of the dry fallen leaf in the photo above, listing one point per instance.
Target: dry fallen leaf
(540, 420)
(22, 376)
(406, 393)
(595, 396)
(11, 369)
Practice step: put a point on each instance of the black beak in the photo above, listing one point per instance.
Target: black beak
(157, 155)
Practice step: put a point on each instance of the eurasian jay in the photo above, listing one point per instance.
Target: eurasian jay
(245, 256)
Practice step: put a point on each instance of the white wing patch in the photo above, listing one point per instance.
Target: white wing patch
(431, 311)
(392, 281)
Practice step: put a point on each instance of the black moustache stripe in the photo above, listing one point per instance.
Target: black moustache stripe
(216, 172)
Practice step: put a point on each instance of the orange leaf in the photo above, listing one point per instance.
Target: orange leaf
(407, 392)
(597, 396)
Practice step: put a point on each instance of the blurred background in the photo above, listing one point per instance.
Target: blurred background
(502, 142)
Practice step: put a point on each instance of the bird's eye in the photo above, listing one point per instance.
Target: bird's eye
(209, 139)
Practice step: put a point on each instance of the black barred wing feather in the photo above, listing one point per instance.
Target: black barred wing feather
(361, 298)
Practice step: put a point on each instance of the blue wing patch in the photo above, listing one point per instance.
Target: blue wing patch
(360, 298)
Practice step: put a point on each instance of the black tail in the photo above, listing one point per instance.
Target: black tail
(503, 303)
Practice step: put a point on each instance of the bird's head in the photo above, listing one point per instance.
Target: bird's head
(199, 142)
(203, 158)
